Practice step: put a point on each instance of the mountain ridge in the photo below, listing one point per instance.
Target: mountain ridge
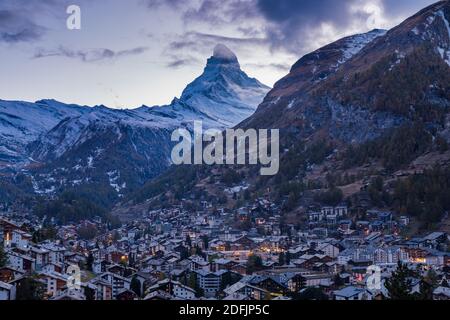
(123, 148)
(382, 112)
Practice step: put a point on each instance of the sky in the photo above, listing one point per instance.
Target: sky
(130, 53)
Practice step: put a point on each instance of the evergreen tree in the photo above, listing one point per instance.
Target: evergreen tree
(281, 259)
(254, 264)
(3, 256)
(399, 285)
(29, 289)
(338, 281)
(188, 241)
(89, 262)
(89, 293)
(205, 240)
(426, 290)
(427, 285)
(135, 286)
(288, 257)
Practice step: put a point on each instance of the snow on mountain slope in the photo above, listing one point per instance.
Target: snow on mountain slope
(224, 92)
(306, 74)
(23, 122)
(221, 97)
(136, 143)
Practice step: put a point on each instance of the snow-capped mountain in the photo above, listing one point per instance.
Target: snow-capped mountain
(223, 92)
(23, 122)
(72, 145)
(222, 97)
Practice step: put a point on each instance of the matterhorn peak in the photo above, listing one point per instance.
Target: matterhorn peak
(222, 52)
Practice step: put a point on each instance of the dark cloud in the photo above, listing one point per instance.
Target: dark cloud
(288, 25)
(16, 27)
(222, 12)
(156, 4)
(306, 11)
(92, 55)
(295, 24)
(22, 20)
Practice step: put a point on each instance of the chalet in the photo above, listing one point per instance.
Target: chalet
(294, 281)
(210, 282)
(103, 289)
(352, 293)
(242, 243)
(20, 239)
(243, 288)
(21, 262)
(222, 264)
(345, 225)
(317, 279)
(100, 266)
(198, 263)
(8, 274)
(434, 239)
(309, 261)
(158, 295)
(315, 217)
(116, 281)
(56, 253)
(8, 227)
(42, 256)
(180, 275)
(69, 295)
(173, 288)
(329, 249)
(126, 295)
(270, 284)
(55, 283)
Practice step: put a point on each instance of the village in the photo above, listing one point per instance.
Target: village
(177, 254)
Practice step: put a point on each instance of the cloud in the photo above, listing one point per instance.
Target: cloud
(92, 55)
(303, 25)
(201, 45)
(157, 4)
(193, 38)
(283, 67)
(177, 62)
(222, 12)
(24, 20)
(395, 8)
(16, 27)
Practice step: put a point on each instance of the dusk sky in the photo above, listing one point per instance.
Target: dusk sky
(134, 52)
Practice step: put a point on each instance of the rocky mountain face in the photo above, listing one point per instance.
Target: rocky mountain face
(66, 146)
(358, 87)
